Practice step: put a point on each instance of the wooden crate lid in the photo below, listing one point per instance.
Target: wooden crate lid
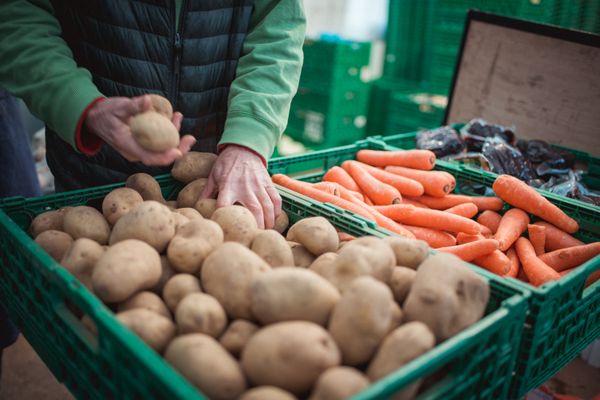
(543, 80)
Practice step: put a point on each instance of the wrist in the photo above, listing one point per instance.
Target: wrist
(86, 140)
(224, 146)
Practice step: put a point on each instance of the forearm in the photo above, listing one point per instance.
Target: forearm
(38, 66)
(267, 76)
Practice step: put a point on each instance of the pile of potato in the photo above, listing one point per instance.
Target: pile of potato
(245, 313)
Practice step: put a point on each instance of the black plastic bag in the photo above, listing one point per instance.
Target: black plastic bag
(442, 141)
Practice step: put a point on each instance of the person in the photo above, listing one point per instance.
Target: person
(19, 179)
(229, 67)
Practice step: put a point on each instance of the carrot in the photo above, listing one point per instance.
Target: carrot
(345, 237)
(327, 187)
(380, 193)
(417, 159)
(451, 200)
(392, 226)
(307, 190)
(405, 186)
(467, 210)
(451, 179)
(413, 203)
(470, 251)
(515, 264)
(518, 194)
(434, 183)
(513, 223)
(496, 262)
(357, 195)
(485, 231)
(434, 238)
(368, 201)
(571, 257)
(566, 271)
(537, 271)
(429, 218)
(537, 237)
(594, 276)
(339, 175)
(491, 219)
(557, 239)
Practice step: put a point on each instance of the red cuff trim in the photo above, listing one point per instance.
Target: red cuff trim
(222, 147)
(86, 142)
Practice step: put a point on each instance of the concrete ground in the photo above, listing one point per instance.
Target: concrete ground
(25, 377)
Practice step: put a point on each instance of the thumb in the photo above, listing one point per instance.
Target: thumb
(137, 105)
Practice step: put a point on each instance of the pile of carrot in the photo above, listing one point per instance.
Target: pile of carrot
(400, 191)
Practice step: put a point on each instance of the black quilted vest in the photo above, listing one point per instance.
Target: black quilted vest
(132, 48)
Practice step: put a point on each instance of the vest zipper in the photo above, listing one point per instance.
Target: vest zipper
(177, 45)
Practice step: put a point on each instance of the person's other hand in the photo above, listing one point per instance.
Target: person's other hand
(239, 176)
(109, 119)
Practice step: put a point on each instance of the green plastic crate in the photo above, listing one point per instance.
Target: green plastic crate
(41, 296)
(562, 318)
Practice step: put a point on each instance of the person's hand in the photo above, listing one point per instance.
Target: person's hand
(109, 119)
(239, 176)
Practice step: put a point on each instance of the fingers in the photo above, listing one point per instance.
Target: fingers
(137, 105)
(186, 143)
(255, 206)
(210, 190)
(226, 197)
(275, 199)
(268, 208)
(177, 118)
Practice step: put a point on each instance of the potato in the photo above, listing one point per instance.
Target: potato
(449, 304)
(200, 313)
(228, 273)
(193, 165)
(238, 223)
(190, 213)
(401, 281)
(290, 355)
(206, 207)
(282, 222)
(397, 317)
(409, 253)
(190, 194)
(49, 220)
(192, 243)
(119, 202)
(316, 234)
(267, 393)
(166, 273)
(80, 259)
(179, 286)
(361, 319)
(151, 222)
(154, 132)
(288, 293)
(146, 186)
(207, 365)
(124, 269)
(161, 105)
(86, 222)
(179, 220)
(236, 336)
(273, 248)
(339, 383)
(404, 344)
(323, 263)
(302, 257)
(89, 324)
(154, 329)
(55, 243)
(146, 300)
(361, 257)
(172, 204)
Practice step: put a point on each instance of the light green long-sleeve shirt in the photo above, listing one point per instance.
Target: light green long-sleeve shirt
(37, 65)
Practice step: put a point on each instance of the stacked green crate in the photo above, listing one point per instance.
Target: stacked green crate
(590, 16)
(416, 111)
(330, 108)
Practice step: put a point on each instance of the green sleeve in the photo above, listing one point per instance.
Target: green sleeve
(267, 76)
(38, 66)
